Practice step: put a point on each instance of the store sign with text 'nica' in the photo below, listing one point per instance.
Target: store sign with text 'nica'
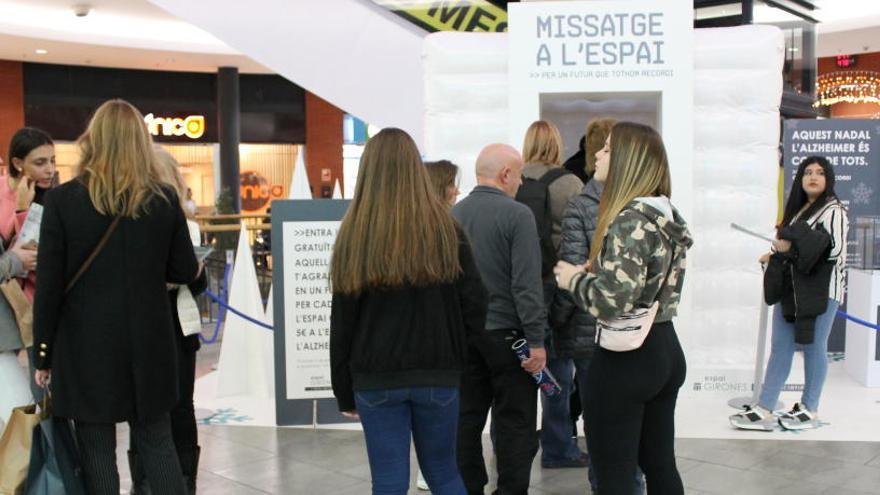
(192, 126)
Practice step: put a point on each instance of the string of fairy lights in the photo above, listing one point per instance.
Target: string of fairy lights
(860, 86)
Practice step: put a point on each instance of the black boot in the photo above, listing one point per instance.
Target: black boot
(189, 464)
(139, 485)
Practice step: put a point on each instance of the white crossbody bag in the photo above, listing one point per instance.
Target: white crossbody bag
(628, 331)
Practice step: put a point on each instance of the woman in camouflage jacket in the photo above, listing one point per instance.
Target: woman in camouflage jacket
(637, 256)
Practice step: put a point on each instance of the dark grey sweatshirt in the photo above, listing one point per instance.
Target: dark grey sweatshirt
(505, 243)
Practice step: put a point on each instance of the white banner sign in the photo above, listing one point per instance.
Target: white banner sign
(308, 247)
(572, 62)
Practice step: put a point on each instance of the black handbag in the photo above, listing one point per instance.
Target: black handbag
(54, 467)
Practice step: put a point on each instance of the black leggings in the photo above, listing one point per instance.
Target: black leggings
(183, 416)
(631, 414)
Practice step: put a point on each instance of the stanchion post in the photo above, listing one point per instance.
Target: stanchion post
(314, 415)
(758, 380)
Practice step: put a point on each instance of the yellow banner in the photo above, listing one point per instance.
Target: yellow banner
(450, 15)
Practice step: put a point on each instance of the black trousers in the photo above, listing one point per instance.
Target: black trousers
(183, 416)
(630, 414)
(493, 378)
(97, 446)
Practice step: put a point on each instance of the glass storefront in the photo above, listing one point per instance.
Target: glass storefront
(266, 171)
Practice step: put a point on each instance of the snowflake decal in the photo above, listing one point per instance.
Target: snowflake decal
(862, 194)
(225, 416)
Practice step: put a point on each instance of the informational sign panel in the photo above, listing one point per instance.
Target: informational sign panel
(620, 54)
(852, 148)
(307, 300)
(303, 235)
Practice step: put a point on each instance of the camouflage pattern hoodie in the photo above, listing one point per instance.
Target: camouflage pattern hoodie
(635, 261)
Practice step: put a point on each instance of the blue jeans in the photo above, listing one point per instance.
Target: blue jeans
(782, 349)
(557, 442)
(428, 415)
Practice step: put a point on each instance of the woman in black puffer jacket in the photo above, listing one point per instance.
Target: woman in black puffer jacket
(573, 328)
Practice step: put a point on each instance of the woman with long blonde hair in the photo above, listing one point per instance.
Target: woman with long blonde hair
(110, 240)
(187, 325)
(542, 154)
(553, 185)
(406, 296)
(637, 258)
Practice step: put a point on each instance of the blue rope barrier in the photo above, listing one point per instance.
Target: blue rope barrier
(858, 320)
(225, 307)
(235, 311)
(221, 313)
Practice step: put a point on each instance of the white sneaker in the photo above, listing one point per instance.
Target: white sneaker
(421, 484)
(753, 418)
(799, 418)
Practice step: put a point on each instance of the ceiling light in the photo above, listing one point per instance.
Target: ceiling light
(81, 9)
(41, 51)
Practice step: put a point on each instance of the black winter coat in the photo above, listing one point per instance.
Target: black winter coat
(577, 164)
(574, 330)
(800, 278)
(110, 342)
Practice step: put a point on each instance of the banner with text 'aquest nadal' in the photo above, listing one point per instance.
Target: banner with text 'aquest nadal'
(571, 62)
(303, 235)
(850, 145)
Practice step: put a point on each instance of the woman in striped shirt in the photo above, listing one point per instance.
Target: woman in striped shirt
(812, 200)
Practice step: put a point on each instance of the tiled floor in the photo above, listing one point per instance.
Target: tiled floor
(246, 460)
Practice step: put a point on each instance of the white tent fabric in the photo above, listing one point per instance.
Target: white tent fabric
(736, 123)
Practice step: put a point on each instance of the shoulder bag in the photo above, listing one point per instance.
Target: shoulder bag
(88, 262)
(628, 331)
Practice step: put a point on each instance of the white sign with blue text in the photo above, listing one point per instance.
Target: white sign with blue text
(609, 53)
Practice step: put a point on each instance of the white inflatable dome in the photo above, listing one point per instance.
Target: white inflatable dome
(738, 88)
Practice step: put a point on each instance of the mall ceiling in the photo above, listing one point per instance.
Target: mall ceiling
(138, 34)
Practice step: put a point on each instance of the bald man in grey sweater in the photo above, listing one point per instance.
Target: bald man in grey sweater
(508, 255)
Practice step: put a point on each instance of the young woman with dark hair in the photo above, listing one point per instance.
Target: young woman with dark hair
(31, 162)
(14, 392)
(806, 281)
(31, 173)
(32, 156)
(406, 297)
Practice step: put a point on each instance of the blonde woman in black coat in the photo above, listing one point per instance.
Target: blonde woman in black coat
(107, 343)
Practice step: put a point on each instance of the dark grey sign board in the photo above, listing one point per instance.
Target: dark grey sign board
(851, 145)
(304, 231)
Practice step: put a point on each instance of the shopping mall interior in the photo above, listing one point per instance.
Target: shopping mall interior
(267, 106)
